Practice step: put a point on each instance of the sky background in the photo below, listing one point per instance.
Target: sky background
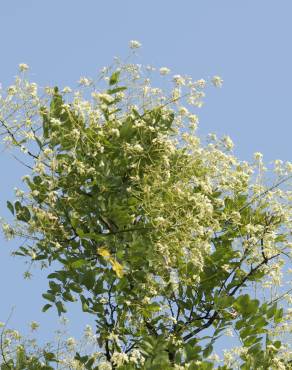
(247, 42)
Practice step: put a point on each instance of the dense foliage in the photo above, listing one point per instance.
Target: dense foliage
(169, 243)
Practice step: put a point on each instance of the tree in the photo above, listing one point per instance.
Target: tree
(168, 242)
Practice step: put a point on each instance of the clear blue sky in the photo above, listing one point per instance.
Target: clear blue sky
(247, 42)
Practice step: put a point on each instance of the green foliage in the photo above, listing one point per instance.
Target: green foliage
(158, 237)
(114, 79)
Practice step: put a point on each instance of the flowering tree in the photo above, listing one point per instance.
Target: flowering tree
(168, 242)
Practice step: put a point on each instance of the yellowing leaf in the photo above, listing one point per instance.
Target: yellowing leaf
(103, 252)
(117, 267)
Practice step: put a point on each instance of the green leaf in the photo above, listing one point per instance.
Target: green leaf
(114, 79)
(75, 287)
(80, 232)
(85, 307)
(278, 316)
(271, 311)
(153, 307)
(49, 356)
(277, 344)
(56, 288)
(116, 90)
(68, 297)
(22, 212)
(8, 366)
(60, 308)
(44, 115)
(245, 305)
(89, 363)
(53, 275)
(46, 307)
(78, 263)
(208, 350)
(89, 279)
(252, 339)
(240, 324)
(192, 352)
(260, 322)
(10, 207)
(224, 301)
(49, 297)
(255, 349)
(206, 366)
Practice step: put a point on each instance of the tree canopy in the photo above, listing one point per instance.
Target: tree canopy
(169, 242)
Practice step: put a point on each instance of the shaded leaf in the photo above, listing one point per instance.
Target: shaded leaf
(114, 78)
(10, 207)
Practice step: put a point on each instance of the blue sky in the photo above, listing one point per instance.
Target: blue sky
(247, 42)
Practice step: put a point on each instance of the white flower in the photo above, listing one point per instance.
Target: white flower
(114, 337)
(71, 342)
(119, 358)
(55, 121)
(40, 168)
(178, 79)
(34, 326)
(278, 364)
(235, 216)
(214, 357)
(104, 366)
(146, 300)
(164, 71)
(139, 123)
(176, 93)
(160, 220)
(15, 335)
(193, 118)
(66, 90)
(12, 90)
(136, 357)
(258, 156)
(115, 131)
(23, 67)
(75, 133)
(217, 81)
(88, 332)
(47, 151)
(226, 267)
(19, 193)
(200, 83)
(228, 358)
(173, 319)
(134, 44)
(228, 142)
(183, 111)
(83, 81)
(138, 148)
(33, 88)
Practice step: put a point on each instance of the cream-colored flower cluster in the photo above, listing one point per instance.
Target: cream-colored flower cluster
(189, 193)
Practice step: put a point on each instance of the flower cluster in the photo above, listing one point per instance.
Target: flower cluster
(162, 231)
